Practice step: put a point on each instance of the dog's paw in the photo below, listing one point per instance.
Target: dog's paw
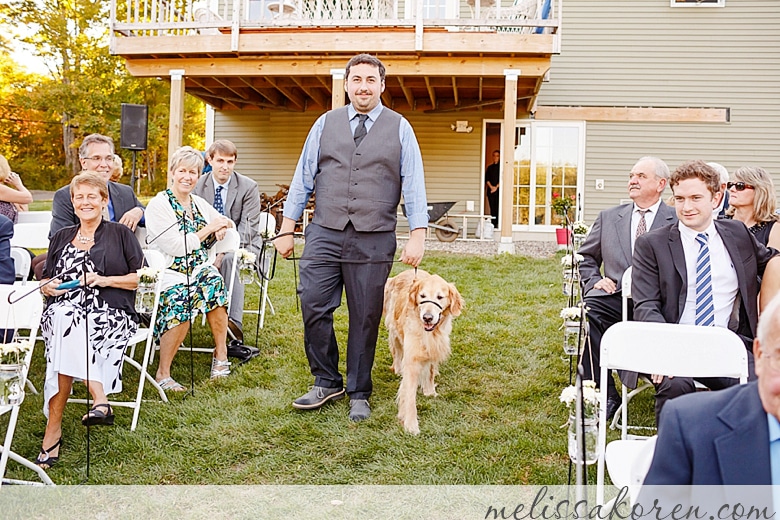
(412, 427)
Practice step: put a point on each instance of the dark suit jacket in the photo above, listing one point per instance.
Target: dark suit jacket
(609, 243)
(63, 215)
(7, 270)
(713, 438)
(242, 205)
(660, 278)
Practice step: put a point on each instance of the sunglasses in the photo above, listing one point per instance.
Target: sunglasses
(740, 186)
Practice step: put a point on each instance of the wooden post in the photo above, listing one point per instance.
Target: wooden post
(338, 96)
(508, 160)
(176, 116)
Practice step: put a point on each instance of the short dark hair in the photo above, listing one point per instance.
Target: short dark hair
(222, 147)
(369, 60)
(697, 169)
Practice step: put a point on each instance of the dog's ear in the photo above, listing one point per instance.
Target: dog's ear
(414, 290)
(456, 300)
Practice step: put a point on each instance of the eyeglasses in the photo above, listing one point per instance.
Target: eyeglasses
(740, 186)
(97, 158)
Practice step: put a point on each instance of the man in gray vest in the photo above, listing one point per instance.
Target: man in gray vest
(360, 159)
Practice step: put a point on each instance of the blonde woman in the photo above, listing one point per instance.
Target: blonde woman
(752, 202)
(13, 195)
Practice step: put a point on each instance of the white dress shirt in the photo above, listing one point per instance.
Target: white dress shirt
(724, 277)
(650, 214)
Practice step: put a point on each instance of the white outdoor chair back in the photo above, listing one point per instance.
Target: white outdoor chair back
(145, 335)
(22, 263)
(670, 349)
(628, 462)
(266, 227)
(22, 315)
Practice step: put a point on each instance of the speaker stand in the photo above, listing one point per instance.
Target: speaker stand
(132, 175)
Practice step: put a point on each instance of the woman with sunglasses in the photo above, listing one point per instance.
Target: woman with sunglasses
(752, 201)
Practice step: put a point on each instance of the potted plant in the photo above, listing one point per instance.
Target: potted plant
(580, 231)
(561, 206)
(11, 371)
(571, 273)
(144, 293)
(575, 329)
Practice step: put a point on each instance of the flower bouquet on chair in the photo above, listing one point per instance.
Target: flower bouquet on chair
(12, 371)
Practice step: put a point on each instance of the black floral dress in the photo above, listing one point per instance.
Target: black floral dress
(64, 331)
(207, 289)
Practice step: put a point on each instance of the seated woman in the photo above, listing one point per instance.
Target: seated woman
(15, 196)
(187, 230)
(752, 201)
(104, 257)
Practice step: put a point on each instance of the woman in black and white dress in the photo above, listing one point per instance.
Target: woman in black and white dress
(107, 255)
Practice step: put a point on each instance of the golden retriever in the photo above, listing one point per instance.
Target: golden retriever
(419, 308)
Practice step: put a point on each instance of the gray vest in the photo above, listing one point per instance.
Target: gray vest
(360, 185)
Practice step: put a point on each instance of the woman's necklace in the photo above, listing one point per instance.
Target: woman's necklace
(84, 240)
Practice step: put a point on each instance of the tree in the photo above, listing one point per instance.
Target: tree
(87, 85)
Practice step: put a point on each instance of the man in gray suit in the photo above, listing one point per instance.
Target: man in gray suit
(235, 196)
(611, 243)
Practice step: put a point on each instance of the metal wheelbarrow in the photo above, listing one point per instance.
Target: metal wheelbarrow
(445, 229)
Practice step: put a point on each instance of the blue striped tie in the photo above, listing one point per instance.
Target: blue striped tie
(705, 309)
(218, 204)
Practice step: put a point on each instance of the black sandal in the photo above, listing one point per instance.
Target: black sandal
(44, 461)
(96, 416)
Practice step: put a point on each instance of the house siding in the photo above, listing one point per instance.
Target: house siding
(646, 53)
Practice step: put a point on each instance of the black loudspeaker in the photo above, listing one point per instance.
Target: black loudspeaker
(134, 123)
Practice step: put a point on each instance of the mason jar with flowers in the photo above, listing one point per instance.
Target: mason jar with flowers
(12, 371)
(571, 273)
(575, 329)
(590, 400)
(246, 265)
(144, 293)
(579, 231)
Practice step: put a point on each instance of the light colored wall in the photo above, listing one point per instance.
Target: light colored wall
(646, 53)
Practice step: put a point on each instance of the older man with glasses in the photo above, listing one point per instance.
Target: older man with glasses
(95, 153)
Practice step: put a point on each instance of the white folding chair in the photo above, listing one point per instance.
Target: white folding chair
(22, 263)
(670, 349)
(266, 227)
(144, 335)
(628, 462)
(621, 415)
(24, 314)
(31, 217)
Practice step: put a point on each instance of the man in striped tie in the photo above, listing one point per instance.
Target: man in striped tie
(699, 271)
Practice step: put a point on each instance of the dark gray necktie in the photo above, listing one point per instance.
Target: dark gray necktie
(361, 131)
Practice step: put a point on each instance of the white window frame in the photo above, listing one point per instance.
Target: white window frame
(532, 125)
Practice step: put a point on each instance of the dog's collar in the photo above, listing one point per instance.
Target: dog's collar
(433, 302)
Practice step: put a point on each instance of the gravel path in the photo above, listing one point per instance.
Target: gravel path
(532, 248)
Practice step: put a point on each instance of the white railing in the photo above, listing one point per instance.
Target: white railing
(178, 17)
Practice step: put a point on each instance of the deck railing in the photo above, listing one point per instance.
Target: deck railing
(180, 17)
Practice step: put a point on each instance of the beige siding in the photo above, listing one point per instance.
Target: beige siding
(645, 53)
(269, 144)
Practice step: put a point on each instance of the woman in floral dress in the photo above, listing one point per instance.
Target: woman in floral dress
(86, 328)
(187, 229)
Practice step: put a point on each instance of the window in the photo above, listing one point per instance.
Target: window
(549, 159)
(698, 3)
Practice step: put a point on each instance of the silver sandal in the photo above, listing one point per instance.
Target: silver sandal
(219, 368)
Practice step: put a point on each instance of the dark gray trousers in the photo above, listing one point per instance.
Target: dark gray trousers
(360, 264)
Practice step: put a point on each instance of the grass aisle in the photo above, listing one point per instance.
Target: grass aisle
(497, 419)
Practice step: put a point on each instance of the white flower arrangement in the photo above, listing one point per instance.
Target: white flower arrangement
(580, 228)
(566, 260)
(590, 397)
(11, 353)
(245, 257)
(573, 313)
(148, 275)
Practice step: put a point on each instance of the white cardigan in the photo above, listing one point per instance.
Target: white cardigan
(164, 235)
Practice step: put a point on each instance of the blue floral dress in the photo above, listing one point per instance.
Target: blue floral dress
(64, 331)
(207, 289)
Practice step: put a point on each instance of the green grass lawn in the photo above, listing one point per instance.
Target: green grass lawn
(497, 419)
